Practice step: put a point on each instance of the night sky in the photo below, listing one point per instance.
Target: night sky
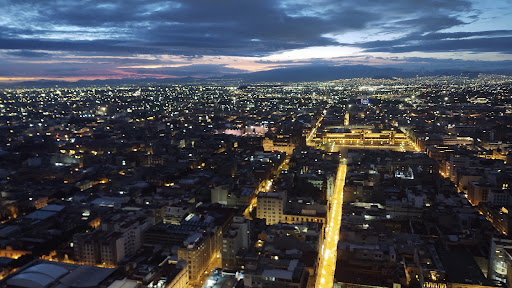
(98, 39)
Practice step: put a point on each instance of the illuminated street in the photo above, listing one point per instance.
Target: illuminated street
(312, 133)
(336, 147)
(265, 186)
(327, 262)
(215, 261)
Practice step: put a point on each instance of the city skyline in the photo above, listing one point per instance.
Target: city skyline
(86, 40)
(362, 182)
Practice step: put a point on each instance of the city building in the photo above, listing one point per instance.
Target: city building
(270, 207)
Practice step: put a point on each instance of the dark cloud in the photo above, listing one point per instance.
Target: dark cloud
(459, 35)
(29, 54)
(431, 64)
(203, 70)
(107, 46)
(501, 44)
(485, 41)
(426, 24)
(223, 27)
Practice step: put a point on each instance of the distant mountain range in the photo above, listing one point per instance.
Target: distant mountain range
(287, 75)
(321, 73)
(329, 73)
(102, 83)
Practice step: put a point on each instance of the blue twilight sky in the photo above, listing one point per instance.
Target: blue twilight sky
(102, 39)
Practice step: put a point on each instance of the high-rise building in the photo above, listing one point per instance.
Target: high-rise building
(479, 191)
(132, 228)
(234, 240)
(270, 207)
(499, 262)
(199, 250)
(456, 162)
(99, 248)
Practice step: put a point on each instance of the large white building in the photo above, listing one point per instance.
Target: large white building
(270, 207)
(118, 237)
(99, 248)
